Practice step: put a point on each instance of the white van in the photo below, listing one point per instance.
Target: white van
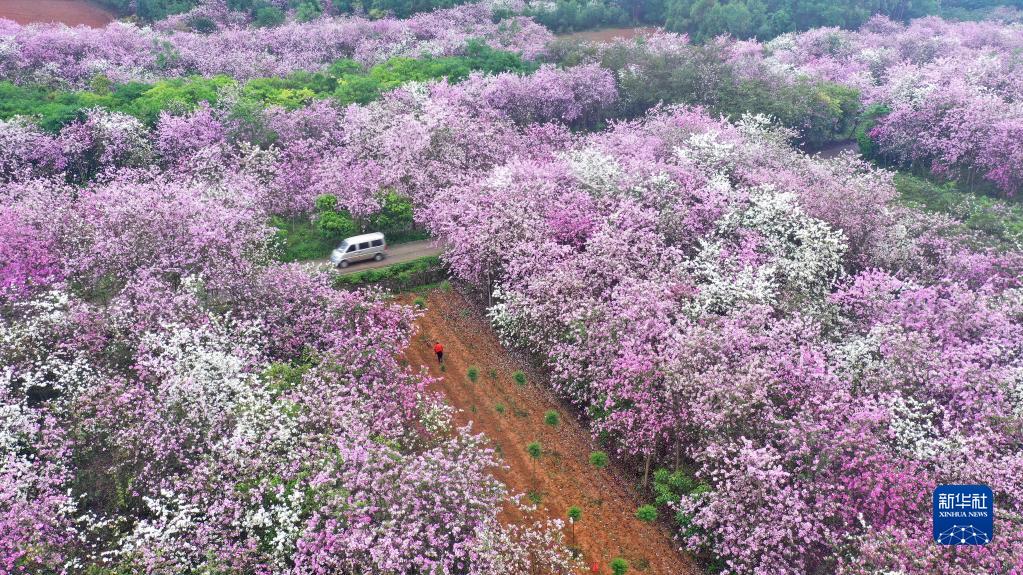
(359, 248)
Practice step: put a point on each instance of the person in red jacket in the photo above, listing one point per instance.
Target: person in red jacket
(439, 350)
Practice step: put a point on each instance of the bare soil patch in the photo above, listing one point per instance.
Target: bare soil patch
(608, 34)
(70, 12)
(563, 477)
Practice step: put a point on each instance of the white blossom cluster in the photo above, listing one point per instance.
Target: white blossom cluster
(912, 428)
(805, 256)
(599, 173)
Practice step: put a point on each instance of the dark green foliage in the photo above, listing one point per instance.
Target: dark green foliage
(670, 487)
(822, 111)
(867, 121)
(599, 459)
(337, 225)
(395, 219)
(765, 19)
(520, 378)
(571, 15)
(268, 17)
(308, 10)
(334, 224)
(301, 239)
(149, 9)
(202, 25)
(473, 373)
(619, 566)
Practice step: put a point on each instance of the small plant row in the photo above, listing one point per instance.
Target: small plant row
(398, 277)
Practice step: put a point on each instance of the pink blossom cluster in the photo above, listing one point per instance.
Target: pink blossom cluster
(951, 91)
(820, 357)
(415, 139)
(173, 400)
(125, 52)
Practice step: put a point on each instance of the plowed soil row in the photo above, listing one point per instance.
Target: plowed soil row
(70, 12)
(563, 477)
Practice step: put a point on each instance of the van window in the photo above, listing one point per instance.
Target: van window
(378, 243)
(364, 245)
(351, 249)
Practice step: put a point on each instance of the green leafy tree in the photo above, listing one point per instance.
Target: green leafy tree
(535, 452)
(268, 17)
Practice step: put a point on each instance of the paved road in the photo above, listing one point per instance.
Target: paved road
(396, 254)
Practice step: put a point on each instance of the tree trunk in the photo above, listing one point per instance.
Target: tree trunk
(678, 452)
(646, 468)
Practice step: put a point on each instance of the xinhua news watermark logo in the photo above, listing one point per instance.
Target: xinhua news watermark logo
(963, 514)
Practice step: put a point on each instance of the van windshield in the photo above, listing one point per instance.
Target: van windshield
(342, 247)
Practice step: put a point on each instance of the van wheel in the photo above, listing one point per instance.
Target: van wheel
(343, 264)
(378, 257)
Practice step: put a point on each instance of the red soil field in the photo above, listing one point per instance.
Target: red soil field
(563, 475)
(70, 12)
(608, 34)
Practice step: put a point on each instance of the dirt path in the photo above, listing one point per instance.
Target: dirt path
(396, 254)
(70, 12)
(564, 476)
(835, 149)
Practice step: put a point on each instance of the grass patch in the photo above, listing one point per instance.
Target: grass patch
(399, 273)
(302, 240)
(999, 219)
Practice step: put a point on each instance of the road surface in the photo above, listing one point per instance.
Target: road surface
(396, 254)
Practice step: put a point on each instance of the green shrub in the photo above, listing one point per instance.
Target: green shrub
(619, 566)
(336, 225)
(419, 303)
(268, 17)
(534, 450)
(499, 408)
(520, 378)
(552, 418)
(394, 272)
(670, 486)
(202, 25)
(599, 459)
(308, 10)
(646, 513)
(301, 240)
(473, 373)
(574, 513)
